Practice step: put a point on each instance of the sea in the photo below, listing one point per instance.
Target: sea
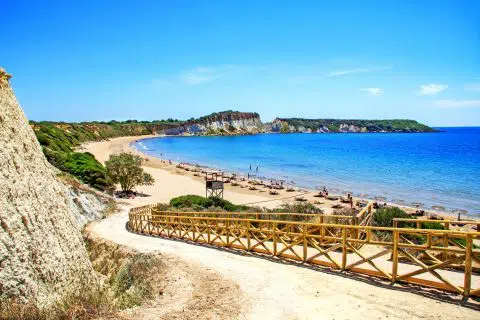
(438, 170)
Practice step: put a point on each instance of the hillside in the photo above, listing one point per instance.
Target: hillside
(58, 140)
(286, 125)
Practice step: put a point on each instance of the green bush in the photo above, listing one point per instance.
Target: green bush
(432, 225)
(125, 169)
(383, 217)
(87, 169)
(298, 207)
(199, 203)
(190, 200)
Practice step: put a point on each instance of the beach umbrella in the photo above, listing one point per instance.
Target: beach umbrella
(460, 212)
(417, 204)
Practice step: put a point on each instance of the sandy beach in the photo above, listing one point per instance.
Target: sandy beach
(172, 181)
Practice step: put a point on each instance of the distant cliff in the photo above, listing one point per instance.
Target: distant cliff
(221, 123)
(286, 125)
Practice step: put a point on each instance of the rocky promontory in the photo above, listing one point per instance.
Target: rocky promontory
(290, 125)
(221, 123)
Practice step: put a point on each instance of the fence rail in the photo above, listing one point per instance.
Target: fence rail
(443, 259)
(446, 223)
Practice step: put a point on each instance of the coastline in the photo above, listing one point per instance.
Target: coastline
(181, 181)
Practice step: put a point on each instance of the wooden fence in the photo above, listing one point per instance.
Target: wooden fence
(442, 259)
(397, 222)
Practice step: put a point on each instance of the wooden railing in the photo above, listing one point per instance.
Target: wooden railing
(365, 216)
(398, 254)
(445, 223)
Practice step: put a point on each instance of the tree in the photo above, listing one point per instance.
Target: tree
(124, 168)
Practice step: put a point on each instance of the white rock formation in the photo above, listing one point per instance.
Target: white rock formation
(42, 254)
(235, 124)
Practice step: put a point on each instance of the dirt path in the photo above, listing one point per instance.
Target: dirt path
(191, 291)
(208, 278)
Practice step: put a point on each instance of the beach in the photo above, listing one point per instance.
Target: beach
(172, 180)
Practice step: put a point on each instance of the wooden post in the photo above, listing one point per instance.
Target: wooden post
(322, 233)
(209, 230)
(227, 231)
(445, 241)
(395, 256)
(274, 238)
(194, 224)
(305, 247)
(344, 248)
(248, 236)
(467, 283)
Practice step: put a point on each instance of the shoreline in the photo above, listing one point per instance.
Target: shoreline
(239, 195)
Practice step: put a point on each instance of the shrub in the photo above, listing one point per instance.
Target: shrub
(344, 212)
(190, 200)
(383, 217)
(298, 207)
(87, 169)
(132, 284)
(433, 225)
(199, 203)
(125, 169)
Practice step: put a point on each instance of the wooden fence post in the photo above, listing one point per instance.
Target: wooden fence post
(344, 247)
(305, 243)
(209, 229)
(149, 223)
(395, 256)
(227, 231)
(467, 283)
(274, 238)
(248, 236)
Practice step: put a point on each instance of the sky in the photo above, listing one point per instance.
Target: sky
(148, 60)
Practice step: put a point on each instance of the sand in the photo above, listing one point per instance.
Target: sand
(172, 182)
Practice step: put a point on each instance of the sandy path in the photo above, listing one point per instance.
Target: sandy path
(283, 291)
(191, 291)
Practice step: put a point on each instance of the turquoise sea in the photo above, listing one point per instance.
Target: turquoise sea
(435, 169)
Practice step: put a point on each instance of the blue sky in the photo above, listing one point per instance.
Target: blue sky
(180, 59)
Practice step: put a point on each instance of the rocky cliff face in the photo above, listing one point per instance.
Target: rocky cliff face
(42, 254)
(223, 123)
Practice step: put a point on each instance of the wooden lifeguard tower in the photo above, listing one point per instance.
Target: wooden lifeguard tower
(214, 184)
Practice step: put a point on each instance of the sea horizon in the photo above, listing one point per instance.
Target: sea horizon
(434, 170)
